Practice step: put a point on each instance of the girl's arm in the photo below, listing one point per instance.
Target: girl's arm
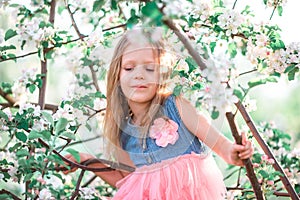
(204, 130)
(110, 177)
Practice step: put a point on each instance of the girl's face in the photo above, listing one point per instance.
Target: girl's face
(139, 74)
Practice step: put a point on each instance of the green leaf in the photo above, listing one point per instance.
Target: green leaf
(3, 115)
(61, 125)
(32, 88)
(5, 48)
(48, 117)
(98, 4)
(291, 74)
(289, 68)
(191, 63)
(9, 34)
(34, 135)
(46, 135)
(257, 82)
(177, 90)
(21, 136)
(68, 135)
(28, 177)
(263, 173)
(279, 10)
(214, 114)
(75, 154)
(22, 153)
(5, 196)
(114, 5)
(152, 11)
(238, 93)
(212, 46)
(232, 49)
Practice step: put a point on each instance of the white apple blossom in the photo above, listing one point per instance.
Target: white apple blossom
(176, 7)
(250, 104)
(79, 116)
(94, 38)
(201, 10)
(99, 104)
(26, 106)
(255, 52)
(45, 194)
(272, 3)
(54, 181)
(65, 112)
(39, 124)
(4, 3)
(88, 193)
(30, 31)
(1, 35)
(230, 21)
(19, 92)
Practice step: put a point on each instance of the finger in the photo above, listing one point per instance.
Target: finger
(238, 148)
(246, 154)
(244, 138)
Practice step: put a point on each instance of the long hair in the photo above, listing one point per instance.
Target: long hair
(117, 109)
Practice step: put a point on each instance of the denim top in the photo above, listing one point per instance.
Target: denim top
(186, 143)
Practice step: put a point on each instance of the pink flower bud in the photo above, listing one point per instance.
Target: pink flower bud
(270, 182)
(271, 161)
(256, 165)
(264, 157)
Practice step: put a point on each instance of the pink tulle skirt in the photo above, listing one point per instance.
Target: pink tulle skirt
(189, 177)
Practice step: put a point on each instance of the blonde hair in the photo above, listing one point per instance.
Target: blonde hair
(117, 107)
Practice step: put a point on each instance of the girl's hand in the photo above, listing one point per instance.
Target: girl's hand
(240, 152)
(83, 157)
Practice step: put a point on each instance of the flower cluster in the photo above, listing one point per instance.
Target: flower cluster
(19, 89)
(230, 21)
(164, 131)
(275, 3)
(31, 31)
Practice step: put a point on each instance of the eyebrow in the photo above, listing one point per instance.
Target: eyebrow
(133, 62)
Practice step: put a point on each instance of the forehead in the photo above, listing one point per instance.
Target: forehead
(142, 53)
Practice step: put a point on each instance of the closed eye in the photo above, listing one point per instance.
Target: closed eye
(128, 67)
(150, 67)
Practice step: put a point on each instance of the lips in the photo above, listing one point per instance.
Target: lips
(139, 86)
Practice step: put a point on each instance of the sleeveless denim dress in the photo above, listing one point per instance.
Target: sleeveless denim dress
(183, 170)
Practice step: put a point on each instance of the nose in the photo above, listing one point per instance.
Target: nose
(139, 75)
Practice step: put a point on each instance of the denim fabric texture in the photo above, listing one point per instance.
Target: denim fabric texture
(186, 144)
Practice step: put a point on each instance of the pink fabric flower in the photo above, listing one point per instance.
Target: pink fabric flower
(164, 131)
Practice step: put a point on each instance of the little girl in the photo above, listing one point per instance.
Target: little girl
(160, 135)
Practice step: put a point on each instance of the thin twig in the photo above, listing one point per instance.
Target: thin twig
(7, 97)
(3, 191)
(113, 165)
(94, 78)
(76, 192)
(73, 21)
(89, 181)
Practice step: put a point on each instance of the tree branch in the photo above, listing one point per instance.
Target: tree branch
(52, 11)
(113, 165)
(14, 197)
(7, 97)
(247, 162)
(73, 21)
(267, 151)
(94, 77)
(240, 107)
(76, 192)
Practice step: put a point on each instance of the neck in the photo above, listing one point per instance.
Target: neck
(138, 110)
